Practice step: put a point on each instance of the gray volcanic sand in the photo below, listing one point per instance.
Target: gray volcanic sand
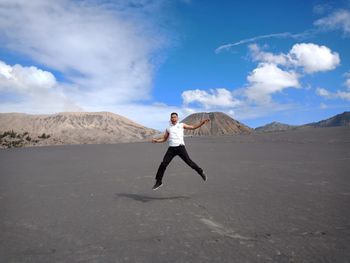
(274, 197)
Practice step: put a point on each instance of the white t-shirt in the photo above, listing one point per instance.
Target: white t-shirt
(176, 134)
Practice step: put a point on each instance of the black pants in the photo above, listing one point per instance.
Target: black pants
(170, 154)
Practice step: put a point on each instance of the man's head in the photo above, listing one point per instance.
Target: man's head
(174, 118)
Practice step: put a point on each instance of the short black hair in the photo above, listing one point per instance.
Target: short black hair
(173, 114)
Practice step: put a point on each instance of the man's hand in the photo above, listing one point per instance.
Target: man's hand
(193, 127)
(161, 139)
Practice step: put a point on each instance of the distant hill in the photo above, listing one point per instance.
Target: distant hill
(342, 119)
(335, 121)
(275, 126)
(220, 124)
(71, 128)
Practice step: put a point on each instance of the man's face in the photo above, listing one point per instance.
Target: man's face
(174, 118)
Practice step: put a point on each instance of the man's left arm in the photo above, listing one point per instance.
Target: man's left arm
(193, 127)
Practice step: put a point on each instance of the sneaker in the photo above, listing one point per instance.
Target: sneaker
(157, 185)
(204, 177)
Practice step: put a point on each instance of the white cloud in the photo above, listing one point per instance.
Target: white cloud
(46, 103)
(268, 79)
(221, 98)
(106, 50)
(345, 95)
(314, 58)
(259, 55)
(338, 20)
(37, 90)
(308, 56)
(323, 93)
(347, 81)
(339, 94)
(25, 79)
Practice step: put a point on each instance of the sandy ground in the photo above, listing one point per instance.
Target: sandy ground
(279, 197)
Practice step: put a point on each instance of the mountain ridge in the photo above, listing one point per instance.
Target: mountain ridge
(76, 127)
(22, 129)
(341, 119)
(275, 126)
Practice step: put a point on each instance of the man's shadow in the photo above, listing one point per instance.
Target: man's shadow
(145, 199)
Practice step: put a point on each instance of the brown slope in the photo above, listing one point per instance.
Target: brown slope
(77, 127)
(220, 124)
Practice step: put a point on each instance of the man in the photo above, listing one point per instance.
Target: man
(175, 134)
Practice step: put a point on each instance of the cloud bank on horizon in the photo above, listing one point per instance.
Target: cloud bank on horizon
(92, 55)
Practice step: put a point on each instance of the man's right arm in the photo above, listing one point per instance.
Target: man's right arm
(162, 139)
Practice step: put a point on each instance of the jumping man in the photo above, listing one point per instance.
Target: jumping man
(175, 134)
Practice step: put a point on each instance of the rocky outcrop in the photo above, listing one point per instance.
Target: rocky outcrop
(220, 124)
(275, 126)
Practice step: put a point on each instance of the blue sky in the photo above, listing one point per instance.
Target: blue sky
(258, 61)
